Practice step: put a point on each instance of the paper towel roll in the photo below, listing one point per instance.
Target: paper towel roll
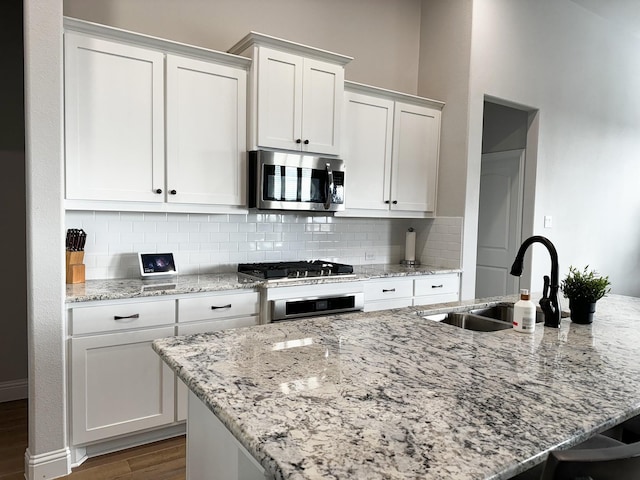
(410, 246)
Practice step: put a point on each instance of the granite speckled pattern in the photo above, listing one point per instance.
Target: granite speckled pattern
(116, 289)
(389, 395)
(134, 287)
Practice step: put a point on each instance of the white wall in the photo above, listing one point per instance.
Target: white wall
(582, 73)
(383, 36)
(47, 455)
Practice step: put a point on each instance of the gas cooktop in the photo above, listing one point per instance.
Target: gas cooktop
(295, 270)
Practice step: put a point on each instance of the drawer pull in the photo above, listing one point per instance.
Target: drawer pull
(436, 286)
(213, 307)
(385, 290)
(135, 315)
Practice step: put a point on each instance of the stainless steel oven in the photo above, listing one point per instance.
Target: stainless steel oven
(293, 181)
(291, 308)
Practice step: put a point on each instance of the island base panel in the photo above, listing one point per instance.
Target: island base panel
(213, 452)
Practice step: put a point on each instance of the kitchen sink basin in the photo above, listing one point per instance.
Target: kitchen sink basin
(487, 319)
(503, 313)
(470, 321)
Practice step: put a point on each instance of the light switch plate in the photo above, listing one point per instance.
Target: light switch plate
(548, 223)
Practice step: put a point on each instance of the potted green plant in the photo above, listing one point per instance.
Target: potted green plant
(583, 289)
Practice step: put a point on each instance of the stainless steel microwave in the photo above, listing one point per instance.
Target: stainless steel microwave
(294, 181)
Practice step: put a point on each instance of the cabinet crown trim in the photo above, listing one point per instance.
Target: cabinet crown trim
(256, 38)
(166, 46)
(391, 94)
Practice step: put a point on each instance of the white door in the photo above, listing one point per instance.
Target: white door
(416, 144)
(499, 222)
(279, 99)
(114, 120)
(206, 132)
(322, 96)
(367, 139)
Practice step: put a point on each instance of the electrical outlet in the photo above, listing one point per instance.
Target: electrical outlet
(548, 222)
(369, 256)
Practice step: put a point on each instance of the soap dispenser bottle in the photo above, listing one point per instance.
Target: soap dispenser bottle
(524, 313)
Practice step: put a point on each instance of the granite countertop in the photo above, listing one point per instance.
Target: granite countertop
(389, 395)
(116, 289)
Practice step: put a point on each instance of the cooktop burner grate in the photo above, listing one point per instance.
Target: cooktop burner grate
(297, 269)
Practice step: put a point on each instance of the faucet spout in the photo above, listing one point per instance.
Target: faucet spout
(549, 302)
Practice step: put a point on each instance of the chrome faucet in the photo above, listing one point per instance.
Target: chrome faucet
(549, 302)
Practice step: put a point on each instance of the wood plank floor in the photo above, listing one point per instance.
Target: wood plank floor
(156, 461)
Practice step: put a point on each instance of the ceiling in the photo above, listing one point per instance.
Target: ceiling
(625, 13)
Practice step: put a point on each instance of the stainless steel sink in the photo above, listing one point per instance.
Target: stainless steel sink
(503, 313)
(469, 321)
(488, 319)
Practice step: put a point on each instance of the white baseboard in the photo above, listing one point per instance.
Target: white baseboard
(14, 390)
(45, 466)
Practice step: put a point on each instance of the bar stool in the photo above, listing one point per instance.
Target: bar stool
(599, 458)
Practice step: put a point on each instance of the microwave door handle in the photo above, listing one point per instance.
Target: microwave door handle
(329, 189)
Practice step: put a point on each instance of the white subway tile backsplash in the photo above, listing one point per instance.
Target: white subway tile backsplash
(205, 243)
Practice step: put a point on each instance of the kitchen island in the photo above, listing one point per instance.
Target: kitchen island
(390, 395)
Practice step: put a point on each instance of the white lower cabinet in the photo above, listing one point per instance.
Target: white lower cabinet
(119, 385)
(398, 292)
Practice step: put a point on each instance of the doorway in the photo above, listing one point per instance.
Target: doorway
(505, 211)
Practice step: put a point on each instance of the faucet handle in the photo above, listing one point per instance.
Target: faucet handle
(545, 288)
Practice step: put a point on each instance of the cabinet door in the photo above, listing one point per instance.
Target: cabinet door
(206, 132)
(279, 99)
(414, 174)
(322, 98)
(114, 120)
(119, 385)
(367, 139)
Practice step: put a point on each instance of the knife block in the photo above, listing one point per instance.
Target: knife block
(75, 267)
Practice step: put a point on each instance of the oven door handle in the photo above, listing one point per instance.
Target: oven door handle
(329, 185)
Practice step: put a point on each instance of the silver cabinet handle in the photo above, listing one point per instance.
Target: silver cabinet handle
(436, 286)
(385, 290)
(118, 317)
(214, 307)
(329, 187)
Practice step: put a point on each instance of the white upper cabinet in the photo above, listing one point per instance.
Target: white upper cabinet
(391, 147)
(414, 173)
(296, 95)
(367, 146)
(151, 125)
(114, 120)
(206, 131)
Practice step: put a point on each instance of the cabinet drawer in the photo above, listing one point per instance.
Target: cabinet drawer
(218, 306)
(387, 289)
(387, 304)
(216, 325)
(437, 285)
(109, 318)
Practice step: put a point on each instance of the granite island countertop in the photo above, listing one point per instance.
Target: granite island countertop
(389, 395)
(116, 289)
